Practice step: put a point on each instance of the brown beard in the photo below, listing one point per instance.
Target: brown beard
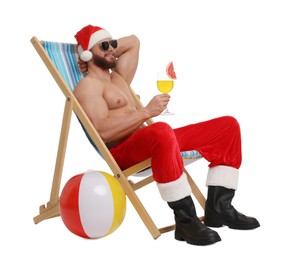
(101, 62)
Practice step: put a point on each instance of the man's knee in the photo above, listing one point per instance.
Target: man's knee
(231, 122)
(163, 132)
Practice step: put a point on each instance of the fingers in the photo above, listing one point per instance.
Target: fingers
(165, 95)
(158, 104)
(163, 100)
(82, 65)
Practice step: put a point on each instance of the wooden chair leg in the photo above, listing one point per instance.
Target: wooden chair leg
(52, 208)
(137, 204)
(47, 212)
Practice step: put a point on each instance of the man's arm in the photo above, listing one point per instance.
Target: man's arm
(127, 53)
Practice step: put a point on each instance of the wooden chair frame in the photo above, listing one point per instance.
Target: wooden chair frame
(51, 209)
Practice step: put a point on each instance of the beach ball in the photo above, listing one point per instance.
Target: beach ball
(92, 204)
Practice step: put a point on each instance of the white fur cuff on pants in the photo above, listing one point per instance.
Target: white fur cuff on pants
(224, 176)
(175, 190)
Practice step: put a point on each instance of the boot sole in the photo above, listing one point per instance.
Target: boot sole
(230, 225)
(199, 242)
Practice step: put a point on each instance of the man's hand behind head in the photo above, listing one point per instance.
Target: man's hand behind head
(82, 65)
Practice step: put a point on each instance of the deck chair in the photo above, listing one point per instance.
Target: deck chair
(61, 60)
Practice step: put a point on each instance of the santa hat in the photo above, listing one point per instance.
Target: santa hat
(87, 37)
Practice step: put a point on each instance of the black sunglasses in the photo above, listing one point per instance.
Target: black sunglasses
(104, 46)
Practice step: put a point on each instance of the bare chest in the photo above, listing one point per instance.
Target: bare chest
(117, 97)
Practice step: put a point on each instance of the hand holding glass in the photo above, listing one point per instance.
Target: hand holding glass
(164, 85)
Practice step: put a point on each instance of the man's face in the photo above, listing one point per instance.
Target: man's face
(104, 59)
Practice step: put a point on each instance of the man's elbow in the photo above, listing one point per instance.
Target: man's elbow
(135, 41)
(106, 136)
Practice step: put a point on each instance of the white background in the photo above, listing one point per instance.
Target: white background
(231, 58)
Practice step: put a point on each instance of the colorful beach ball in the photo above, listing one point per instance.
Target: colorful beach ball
(92, 204)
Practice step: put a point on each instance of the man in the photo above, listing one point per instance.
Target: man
(105, 97)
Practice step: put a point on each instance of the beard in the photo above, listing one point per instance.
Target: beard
(101, 62)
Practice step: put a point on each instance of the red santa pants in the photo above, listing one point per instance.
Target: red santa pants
(218, 140)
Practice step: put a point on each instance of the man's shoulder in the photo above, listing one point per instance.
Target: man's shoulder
(89, 81)
(87, 86)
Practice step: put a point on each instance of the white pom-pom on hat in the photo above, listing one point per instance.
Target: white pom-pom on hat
(87, 37)
(85, 55)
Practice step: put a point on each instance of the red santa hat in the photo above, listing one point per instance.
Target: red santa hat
(87, 37)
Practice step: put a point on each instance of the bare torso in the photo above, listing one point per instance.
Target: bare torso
(106, 98)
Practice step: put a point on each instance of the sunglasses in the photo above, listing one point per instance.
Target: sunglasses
(104, 46)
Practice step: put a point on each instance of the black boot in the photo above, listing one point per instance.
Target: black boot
(188, 227)
(219, 211)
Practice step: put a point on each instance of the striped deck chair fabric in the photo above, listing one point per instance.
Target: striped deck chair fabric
(64, 57)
